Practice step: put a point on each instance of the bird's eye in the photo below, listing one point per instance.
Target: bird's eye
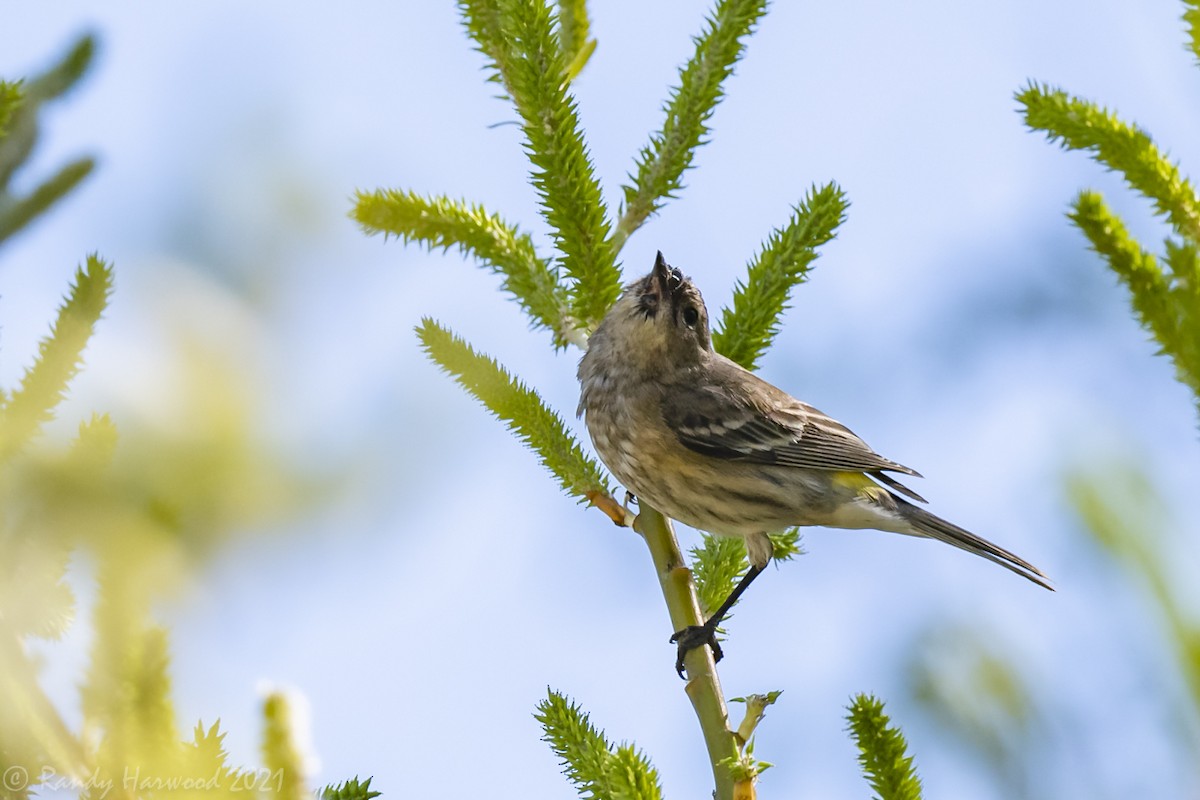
(690, 316)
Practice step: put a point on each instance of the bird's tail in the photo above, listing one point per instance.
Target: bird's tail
(926, 524)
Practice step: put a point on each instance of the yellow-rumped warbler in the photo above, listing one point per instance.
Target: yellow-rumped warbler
(714, 446)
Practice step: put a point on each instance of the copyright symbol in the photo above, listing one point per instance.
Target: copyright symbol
(16, 778)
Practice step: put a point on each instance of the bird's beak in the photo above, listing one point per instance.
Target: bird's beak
(662, 275)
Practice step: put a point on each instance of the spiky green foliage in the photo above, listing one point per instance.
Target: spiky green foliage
(882, 751)
(35, 597)
(744, 767)
(1191, 17)
(581, 747)
(521, 37)
(720, 562)
(670, 151)
(717, 565)
(535, 54)
(497, 245)
(786, 544)
(281, 757)
(1167, 302)
(96, 443)
(631, 776)
(517, 406)
(481, 18)
(53, 501)
(1079, 124)
(19, 133)
(353, 789)
(207, 761)
(749, 326)
(58, 358)
(598, 770)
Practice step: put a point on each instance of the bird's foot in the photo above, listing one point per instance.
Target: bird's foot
(694, 636)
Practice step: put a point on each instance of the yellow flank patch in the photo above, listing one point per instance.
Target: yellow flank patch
(852, 480)
(860, 483)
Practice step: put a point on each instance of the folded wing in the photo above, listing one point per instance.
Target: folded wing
(754, 421)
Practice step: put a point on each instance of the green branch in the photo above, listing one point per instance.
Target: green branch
(518, 406)
(63, 76)
(58, 359)
(748, 327)
(442, 222)
(882, 751)
(1078, 124)
(669, 153)
(589, 761)
(1168, 306)
(525, 50)
(17, 212)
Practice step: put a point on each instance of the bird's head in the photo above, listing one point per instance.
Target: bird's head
(660, 317)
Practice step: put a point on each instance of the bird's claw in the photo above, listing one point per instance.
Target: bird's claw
(690, 638)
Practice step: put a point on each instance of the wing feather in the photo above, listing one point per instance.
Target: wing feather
(743, 418)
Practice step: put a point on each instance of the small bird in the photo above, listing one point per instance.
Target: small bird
(712, 445)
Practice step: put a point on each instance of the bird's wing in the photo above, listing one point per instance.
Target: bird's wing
(748, 419)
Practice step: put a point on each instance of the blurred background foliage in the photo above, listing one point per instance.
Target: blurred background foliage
(1035, 741)
(129, 515)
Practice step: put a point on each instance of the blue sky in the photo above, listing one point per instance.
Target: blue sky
(957, 323)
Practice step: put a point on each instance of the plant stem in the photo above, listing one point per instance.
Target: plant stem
(703, 686)
(625, 227)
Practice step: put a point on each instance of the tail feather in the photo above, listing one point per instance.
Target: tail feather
(926, 524)
(897, 486)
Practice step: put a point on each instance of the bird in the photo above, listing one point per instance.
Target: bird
(710, 444)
